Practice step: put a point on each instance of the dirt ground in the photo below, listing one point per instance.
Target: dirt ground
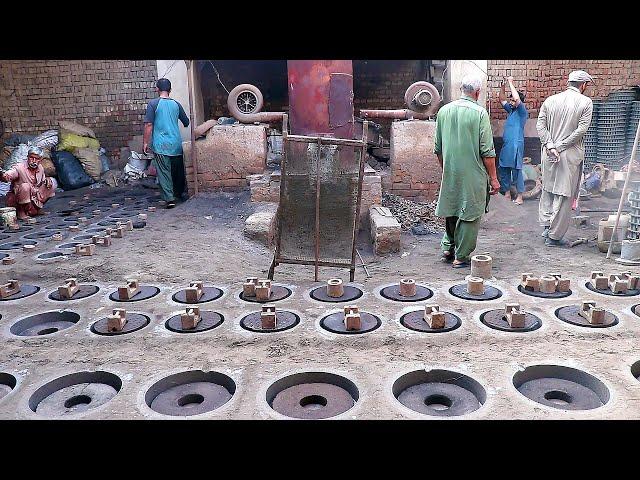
(201, 239)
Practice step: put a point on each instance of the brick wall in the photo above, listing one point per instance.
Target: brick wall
(542, 78)
(109, 96)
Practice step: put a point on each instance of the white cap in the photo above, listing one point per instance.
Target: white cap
(580, 76)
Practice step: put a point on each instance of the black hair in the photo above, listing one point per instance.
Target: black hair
(521, 94)
(164, 85)
(576, 84)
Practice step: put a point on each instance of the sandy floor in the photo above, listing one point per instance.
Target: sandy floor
(202, 240)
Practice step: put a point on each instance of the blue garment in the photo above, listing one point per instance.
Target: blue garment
(513, 136)
(164, 114)
(511, 176)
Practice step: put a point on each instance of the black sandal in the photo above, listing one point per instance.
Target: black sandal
(460, 265)
(447, 257)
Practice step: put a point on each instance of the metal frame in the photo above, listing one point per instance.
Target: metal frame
(277, 258)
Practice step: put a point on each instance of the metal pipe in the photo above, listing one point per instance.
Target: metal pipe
(260, 117)
(403, 114)
(194, 154)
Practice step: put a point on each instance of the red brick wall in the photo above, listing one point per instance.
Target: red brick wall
(109, 96)
(542, 78)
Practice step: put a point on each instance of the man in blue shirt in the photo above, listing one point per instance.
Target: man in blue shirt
(510, 164)
(161, 127)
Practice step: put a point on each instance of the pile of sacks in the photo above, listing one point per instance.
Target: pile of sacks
(72, 154)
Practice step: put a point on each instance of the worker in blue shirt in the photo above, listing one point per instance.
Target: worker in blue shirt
(510, 161)
(162, 135)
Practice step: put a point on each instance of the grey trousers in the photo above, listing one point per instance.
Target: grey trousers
(554, 212)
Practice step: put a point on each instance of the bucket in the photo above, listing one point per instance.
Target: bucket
(630, 250)
(8, 216)
(605, 230)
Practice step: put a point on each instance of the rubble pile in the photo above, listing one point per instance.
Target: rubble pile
(413, 214)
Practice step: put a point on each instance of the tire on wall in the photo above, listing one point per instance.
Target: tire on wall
(245, 99)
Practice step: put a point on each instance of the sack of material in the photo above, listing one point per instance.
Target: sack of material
(49, 167)
(18, 155)
(47, 139)
(69, 141)
(79, 130)
(16, 139)
(70, 172)
(90, 160)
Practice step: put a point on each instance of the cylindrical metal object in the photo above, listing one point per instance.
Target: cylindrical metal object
(335, 288)
(56, 237)
(8, 260)
(481, 266)
(475, 285)
(321, 97)
(263, 117)
(408, 287)
(401, 114)
(630, 250)
(28, 248)
(547, 284)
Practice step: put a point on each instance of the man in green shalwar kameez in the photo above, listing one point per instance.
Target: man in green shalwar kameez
(464, 146)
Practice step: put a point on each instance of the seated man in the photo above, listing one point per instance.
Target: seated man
(30, 188)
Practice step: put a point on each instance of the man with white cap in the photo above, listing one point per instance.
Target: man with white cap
(464, 146)
(562, 122)
(30, 188)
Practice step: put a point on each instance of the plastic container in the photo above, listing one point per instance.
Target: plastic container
(8, 216)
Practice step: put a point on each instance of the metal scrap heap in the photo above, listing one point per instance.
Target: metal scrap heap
(412, 214)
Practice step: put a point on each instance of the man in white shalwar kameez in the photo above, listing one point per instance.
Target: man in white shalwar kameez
(562, 122)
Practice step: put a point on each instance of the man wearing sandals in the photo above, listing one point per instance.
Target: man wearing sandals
(464, 147)
(162, 135)
(510, 164)
(562, 123)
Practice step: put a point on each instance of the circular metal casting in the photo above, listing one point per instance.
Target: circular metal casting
(208, 294)
(606, 291)
(146, 292)
(208, 321)
(439, 399)
(25, 291)
(61, 226)
(570, 314)
(38, 235)
(7, 384)
(44, 323)
(50, 256)
(460, 291)
(350, 293)
(284, 321)
(83, 237)
(75, 393)
(313, 401)
(335, 323)
(415, 321)
(312, 395)
(22, 228)
(497, 320)
(16, 245)
(393, 293)
(190, 393)
(521, 289)
(84, 291)
(441, 393)
(561, 387)
(278, 292)
(135, 321)
(69, 245)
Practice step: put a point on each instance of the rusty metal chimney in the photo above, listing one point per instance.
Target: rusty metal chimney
(321, 97)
